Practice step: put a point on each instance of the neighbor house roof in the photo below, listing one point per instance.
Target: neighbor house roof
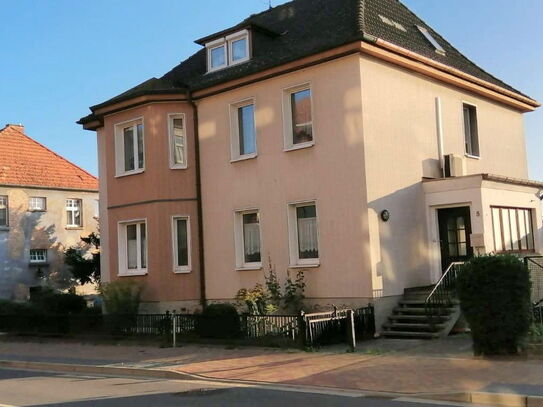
(25, 162)
(303, 28)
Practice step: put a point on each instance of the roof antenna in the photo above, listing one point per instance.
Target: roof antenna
(269, 4)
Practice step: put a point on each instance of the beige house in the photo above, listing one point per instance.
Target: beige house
(46, 205)
(345, 138)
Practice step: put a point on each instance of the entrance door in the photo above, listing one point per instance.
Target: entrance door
(454, 235)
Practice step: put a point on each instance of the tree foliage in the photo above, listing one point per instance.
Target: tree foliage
(84, 259)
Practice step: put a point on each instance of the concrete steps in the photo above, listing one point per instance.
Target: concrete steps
(410, 320)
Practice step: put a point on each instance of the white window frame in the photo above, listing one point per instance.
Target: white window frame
(295, 261)
(288, 125)
(5, 198)
(181, 269)
(119, 147)
(34, 199)
(239, 241)
(235, 152)
(226, 43)
(123, 249)
(230, 39)
(173, 165)
(38, 257)
(74, 209)
(466, 153)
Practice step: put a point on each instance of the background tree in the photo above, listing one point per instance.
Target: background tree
(84, 260)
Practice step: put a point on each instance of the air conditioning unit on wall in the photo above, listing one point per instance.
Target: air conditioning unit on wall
(454, 165)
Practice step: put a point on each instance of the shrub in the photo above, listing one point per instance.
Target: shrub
(121, 297)
(17, 308)
(50, 302)
(494, 293)
(220, 321)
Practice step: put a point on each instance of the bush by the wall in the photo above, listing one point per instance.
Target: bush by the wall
(50, 302)
(17, 308)
(121, 297)
(494, 293)
(219, 321)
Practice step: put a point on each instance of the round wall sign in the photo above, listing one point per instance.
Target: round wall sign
(385, 215)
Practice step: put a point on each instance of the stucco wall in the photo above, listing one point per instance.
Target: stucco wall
(331, 172)
(39, 230)
(156, 195)
(401, 147)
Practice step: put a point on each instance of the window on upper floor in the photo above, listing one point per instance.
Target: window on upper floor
(178, 141)
(37, 204)
(4, 211)
(132, 244)
(512, 229)
(181, 244)
(38, 256)
(129, 147)
(298, 120)
(243, 131)
(247, 239)
(471, 133)
(230, 50)
(73, 213)
(303, 234)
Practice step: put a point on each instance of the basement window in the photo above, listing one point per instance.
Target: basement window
(439, 49)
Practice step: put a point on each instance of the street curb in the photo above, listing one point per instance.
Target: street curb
(494, 399)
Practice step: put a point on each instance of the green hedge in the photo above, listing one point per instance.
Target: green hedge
(219, 321)
(494, 294)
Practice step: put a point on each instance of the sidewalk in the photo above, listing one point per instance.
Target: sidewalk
(391, 366)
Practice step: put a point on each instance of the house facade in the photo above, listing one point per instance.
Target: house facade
(342, 138)
(46, 205)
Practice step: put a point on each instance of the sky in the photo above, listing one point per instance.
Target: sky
(58, 57)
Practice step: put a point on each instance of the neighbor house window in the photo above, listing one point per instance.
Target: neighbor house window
(247, 239)
(304, 236)
(471, 135)
(36, 203)
(181, 244)
(178, 141)
(243, 131)
(38, 256)
(513, 230)
(4, 211)
(73, 213)
(129, 142)
(133, 247)
(298, 117)
(230, 50)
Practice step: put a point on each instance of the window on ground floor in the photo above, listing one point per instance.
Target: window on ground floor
(38, 256)
(247, 238)
(181, 244)
(133, 247)
(303, 234)
(512, 229)
(4, 211)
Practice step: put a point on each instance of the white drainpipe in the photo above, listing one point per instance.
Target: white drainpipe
(440, 145)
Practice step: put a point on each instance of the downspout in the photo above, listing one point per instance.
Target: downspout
(440, 144)
(201, 257)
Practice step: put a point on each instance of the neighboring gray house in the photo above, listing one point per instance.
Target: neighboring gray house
(46, 205)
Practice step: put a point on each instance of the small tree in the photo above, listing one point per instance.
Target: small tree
(85, 268)
(494, 294)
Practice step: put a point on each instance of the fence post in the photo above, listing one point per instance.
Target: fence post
(174, 326)
(302, 330)
(351, 335)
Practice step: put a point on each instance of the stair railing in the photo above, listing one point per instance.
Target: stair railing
(444, 292)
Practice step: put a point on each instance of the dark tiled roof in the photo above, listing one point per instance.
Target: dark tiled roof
(307, 27)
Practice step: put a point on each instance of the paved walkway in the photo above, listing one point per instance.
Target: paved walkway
(384, 365)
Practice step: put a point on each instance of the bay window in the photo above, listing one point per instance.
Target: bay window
(132, 247)
(129, 147)
(181, 244)
(178, 141)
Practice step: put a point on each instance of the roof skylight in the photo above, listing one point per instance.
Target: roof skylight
(428, 36)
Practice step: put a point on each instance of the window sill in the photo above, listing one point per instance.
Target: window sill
(38, 264)
(182, 271)
(299, 146)
(474, 157)
(133, 274)
(127, 174)
(4, 228)
(308, 265)
(178, 167)
(74, 227)
(37, 210)
(249, 267)
(244, 158)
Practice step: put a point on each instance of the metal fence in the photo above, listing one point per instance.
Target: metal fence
(296, 330)
(535, 266)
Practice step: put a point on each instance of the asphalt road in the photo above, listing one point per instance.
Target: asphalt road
(29, 388)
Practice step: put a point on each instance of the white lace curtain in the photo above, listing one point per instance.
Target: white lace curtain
(251, 236)
(307, 234)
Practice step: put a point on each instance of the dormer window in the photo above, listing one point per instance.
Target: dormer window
(230, 50)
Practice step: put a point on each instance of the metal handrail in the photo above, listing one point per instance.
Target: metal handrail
(444, 291)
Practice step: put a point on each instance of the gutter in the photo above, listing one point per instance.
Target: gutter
(201, 258)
